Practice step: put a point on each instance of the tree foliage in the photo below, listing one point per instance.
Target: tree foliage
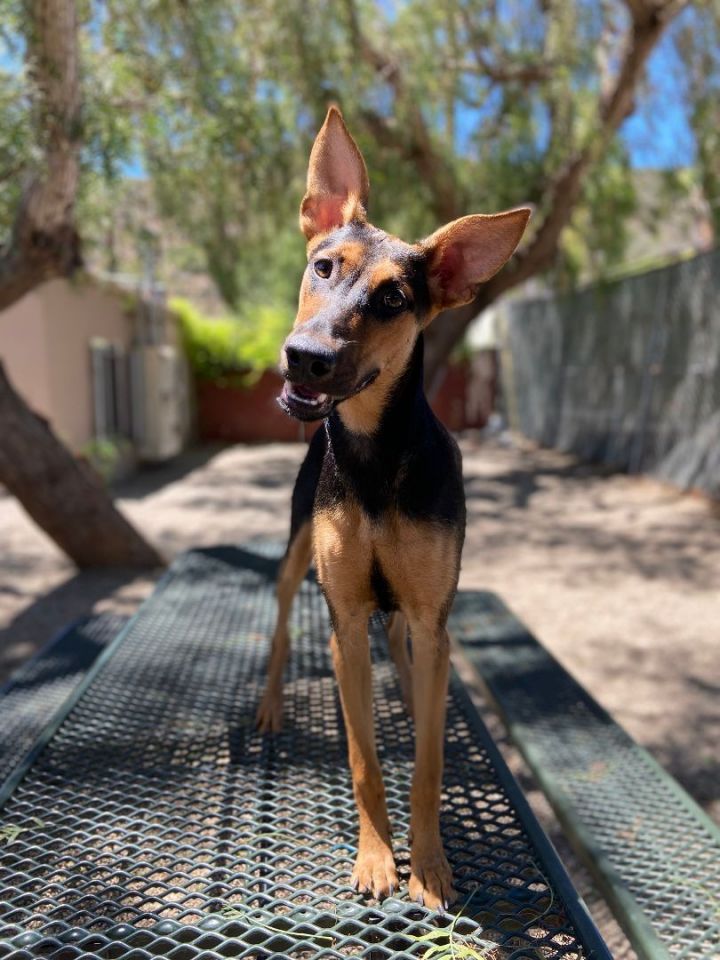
(698, 46)
(469, 105)
(63, 495)
(229, 348)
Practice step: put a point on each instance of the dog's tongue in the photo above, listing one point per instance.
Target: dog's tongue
(306, 393)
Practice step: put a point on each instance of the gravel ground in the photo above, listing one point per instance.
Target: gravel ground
(619, 577)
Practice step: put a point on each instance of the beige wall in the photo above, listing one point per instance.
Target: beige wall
(74, 314)
(45, 343)
(23, 350)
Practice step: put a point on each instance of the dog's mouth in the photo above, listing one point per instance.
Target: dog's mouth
(306, 403)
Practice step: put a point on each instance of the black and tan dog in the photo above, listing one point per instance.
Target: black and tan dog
(379, 498)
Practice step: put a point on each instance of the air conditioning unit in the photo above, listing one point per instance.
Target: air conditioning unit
(160, 401)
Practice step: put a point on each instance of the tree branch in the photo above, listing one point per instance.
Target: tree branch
(649, 18)
(418, 147)
(63, 494)
(526, 73)
(44, 242)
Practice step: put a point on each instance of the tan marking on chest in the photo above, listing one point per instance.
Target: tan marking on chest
(419, 560)
(342, 544)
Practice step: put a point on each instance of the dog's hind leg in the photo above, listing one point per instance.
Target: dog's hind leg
(398, 645)
(292, 570)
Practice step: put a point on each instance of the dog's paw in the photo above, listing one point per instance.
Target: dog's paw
(431, 880)
(375, 872)
(270, 712)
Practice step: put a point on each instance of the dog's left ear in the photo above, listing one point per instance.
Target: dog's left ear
(337, 181)
(469, 251)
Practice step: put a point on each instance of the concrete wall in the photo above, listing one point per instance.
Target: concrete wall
(45, 346)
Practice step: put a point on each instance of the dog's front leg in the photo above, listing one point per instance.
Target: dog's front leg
(375, 866)
(430, 878)
(292, 570)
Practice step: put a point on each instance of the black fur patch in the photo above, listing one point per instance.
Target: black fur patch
(410, 464)
(303, 496)
(381, 588)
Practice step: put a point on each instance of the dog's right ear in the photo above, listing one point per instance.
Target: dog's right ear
(337, 181)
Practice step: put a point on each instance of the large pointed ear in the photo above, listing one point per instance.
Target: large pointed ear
(468, 251)
(337, 181)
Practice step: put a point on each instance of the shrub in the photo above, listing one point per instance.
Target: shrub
(112, 457)
(231, 349)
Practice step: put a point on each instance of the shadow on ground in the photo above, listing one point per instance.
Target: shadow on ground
(151, 478)
(37, 624)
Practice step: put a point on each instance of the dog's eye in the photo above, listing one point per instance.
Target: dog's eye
(323, 268)
(393, 299)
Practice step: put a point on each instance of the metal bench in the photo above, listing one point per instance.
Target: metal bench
(654, 853)
(155, 821)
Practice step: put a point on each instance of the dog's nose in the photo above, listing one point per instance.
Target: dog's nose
(308, 363)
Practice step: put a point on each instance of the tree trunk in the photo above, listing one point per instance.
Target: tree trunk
(63, 495)
(44, 241)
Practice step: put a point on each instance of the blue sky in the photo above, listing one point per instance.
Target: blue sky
(657, 135)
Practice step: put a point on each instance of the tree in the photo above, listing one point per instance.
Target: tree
(44, 242)
(462, 106)
(61, 494)
(698, 43)
(560, 50)
(459, 106)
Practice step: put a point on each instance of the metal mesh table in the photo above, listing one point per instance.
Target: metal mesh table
(158, 822)
(654, 852)
(38, 690)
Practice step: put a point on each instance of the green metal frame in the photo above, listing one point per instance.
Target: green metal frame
(653, 851)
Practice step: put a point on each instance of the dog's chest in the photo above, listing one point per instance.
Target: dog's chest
(387, 561)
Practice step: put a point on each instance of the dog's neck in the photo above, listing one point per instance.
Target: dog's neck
(378, 455)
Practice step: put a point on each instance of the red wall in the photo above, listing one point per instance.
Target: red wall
(247, 414)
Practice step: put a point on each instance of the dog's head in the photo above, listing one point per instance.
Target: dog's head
(366, 295)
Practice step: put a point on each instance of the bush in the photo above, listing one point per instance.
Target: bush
(231, 349)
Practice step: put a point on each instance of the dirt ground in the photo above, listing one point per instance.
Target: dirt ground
(618, 576)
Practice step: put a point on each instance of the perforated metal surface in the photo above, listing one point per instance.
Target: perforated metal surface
(40, 687)
(158, 822)
(655, 853)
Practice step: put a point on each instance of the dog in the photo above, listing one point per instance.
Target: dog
(379, 498)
